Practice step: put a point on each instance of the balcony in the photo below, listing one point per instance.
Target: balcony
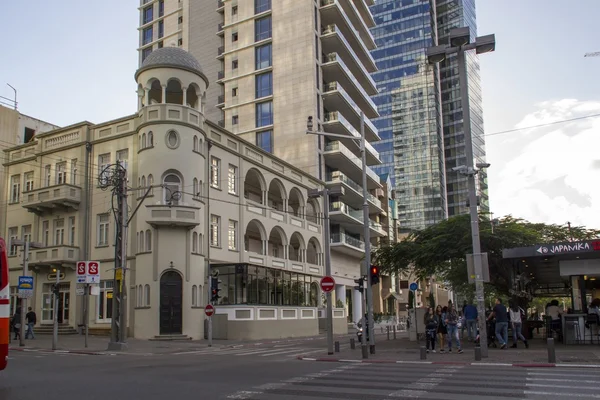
(55, 255)
(333, 64)
(220, 75)
(53, 198)
(335, 122)
(173, 216)
(353, 195)
(333, 12)
(359, 24)
(376, 229)
(333, 38)
(346, 216)
(220, 6)
(335, 98)
(363, 8)
(220, 30)
(337, 156)
(221, 101)
(347, 245)
(220, 52)
(341, 76)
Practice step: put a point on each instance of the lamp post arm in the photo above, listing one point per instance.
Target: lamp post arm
(335, 135)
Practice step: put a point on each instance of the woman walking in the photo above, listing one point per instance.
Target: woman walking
(431, 325)
(441, 330)
(516, 324)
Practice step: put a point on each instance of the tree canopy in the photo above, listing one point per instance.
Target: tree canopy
(440, 249)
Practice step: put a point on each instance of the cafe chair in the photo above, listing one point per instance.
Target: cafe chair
(591, 325)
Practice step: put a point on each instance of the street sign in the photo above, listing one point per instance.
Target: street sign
(80, 291)
(25, 288)
(88, 272)
(413, 286)
(209, 310)
(327, 284)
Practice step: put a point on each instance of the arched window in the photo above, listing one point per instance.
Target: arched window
(147, 296)
(150, 183)
(195, 242)
(143, 181)
(150, 139)
(143, 141)
(148, 240)
(140, 294)
(171, 185)
(137, 241)
(140, 142)
(141, 248)
(195, 189)
(196, 143)
(194, 296)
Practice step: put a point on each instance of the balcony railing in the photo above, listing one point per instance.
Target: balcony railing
(220, 75)
(51, 198)
(340, 177)
(343, 238)
(338, 146)
(60, 254)
(332, 57)
(334, 116)
(221, 50)
(338, 206)
(332, 28)
(221, 99)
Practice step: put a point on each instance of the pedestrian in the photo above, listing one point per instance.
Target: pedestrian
(31, 321)
(16, 324)
(501, 316)
(431, 325)
(516, 324)
(451, 319)
(441, 331)
(470, 313)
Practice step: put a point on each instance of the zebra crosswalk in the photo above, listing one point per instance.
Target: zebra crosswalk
(431, 381)
(280, 351)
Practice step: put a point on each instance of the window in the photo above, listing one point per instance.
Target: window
(26, 233)
(103, 222)
(263, 56)
(104, 303)
(13, 235)
(161, 29)
(172, 185)
(61, 173)
(195, 189)
(232, 179)
(234, 92)
(264, 114)
(235, 119)
(264, 85)
(195, 146)
(262, 29)
(141, 242)
(29, 134)
(234, 10)
(71, 231)
(148, 240)
(150, 139)
(104, 163)
(172, 139)
(59, 232)
(180, 20)
(234, 37)
(46, 233)
(195, 242)
(147, 38)
(195, 296)
(15, 192)
(146, 52)
(234, 64)
(74, 172)
(215, 172)
(232, 235)
(146, 296)
(261, 6)
(28, 181)
(123, 157)
(148, 15)
(215, 222)
(150, 183)
(47, 175)
(264, 140)
(161, 8)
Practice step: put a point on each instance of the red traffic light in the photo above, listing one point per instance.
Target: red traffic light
(374, 270)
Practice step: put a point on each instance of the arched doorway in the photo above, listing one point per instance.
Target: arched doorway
(171, 304)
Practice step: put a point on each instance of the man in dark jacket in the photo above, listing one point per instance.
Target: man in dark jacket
(31, 321)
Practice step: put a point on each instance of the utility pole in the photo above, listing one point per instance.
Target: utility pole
(24, 300)
(55, 311)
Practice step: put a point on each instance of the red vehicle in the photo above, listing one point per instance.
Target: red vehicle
(4, 305)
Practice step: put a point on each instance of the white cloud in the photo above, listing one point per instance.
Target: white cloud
(546, 174)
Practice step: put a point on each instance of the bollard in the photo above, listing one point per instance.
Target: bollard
(394, 329)
(382, 329)
(372, 349)
(477, 353)
(423, 353)
(388, 332)
(365, 351)
(352, 344)
(551, 351)
(337, 347)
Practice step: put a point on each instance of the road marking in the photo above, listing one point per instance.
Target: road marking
(559, 380)
(563, 386)
(586, 395)
(243, 394)
(422, 386)
(279, 352)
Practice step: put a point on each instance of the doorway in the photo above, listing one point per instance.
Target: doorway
(64, 300)
(171, 304)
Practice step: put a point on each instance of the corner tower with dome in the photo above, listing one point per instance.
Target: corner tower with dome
(205, 201)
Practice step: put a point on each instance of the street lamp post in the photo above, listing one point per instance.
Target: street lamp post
(459, 42)
(361, 141)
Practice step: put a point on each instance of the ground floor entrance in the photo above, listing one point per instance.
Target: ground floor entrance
(64, 302)
(171, 295)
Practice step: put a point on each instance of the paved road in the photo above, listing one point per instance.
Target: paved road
(52, 376)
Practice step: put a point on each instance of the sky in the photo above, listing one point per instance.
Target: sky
(74, 60)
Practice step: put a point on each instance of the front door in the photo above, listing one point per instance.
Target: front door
(170, 304)
(64, 300)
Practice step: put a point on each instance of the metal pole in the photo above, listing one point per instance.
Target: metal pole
(86, 300)
(123, 266)
(85, 312)
(24, 300)
(56, 295)
(210, 331)
(479, 290)
(367, 234)
(328, 270)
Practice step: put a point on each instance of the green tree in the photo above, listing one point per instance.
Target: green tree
(441, 248)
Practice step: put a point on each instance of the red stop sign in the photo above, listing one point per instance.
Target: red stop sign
(209, 310)
(327, 284)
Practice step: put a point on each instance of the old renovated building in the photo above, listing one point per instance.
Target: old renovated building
(216, 202)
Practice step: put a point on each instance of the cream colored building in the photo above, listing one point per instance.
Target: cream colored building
(273, 64)
(214, 196)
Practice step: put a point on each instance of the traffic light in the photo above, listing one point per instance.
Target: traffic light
(360, 284)
(374, 275)
(214, 287)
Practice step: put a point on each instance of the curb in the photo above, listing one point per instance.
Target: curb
(83, 352)
(479, 364)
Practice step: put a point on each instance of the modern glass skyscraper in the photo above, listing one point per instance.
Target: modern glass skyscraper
(420, 121)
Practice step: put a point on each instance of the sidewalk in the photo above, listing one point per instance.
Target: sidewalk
(404, 351)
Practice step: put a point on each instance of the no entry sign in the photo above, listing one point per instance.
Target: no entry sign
(327, 284)
(209, 310)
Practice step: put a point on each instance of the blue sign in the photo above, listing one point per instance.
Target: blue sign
(413, 286)
(26, 283)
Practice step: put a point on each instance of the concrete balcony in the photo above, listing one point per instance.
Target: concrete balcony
(337, 156)
(363, 8)
(55, 255)
(335, 122)
(341, 76)
(347, 245)
(360, 24)
(333, 12)
(337, 99)
(220, 30)
(221, 101)
(220, 6)
(183, 216)
(334, 39)
(334, 65)
(52, 198)
(353, 195)
(376, 229)
(342, 214)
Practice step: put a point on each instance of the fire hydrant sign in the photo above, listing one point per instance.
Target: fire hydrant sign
(88, 272)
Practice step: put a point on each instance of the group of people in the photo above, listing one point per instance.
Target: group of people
(443, 325)
(30, 319)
